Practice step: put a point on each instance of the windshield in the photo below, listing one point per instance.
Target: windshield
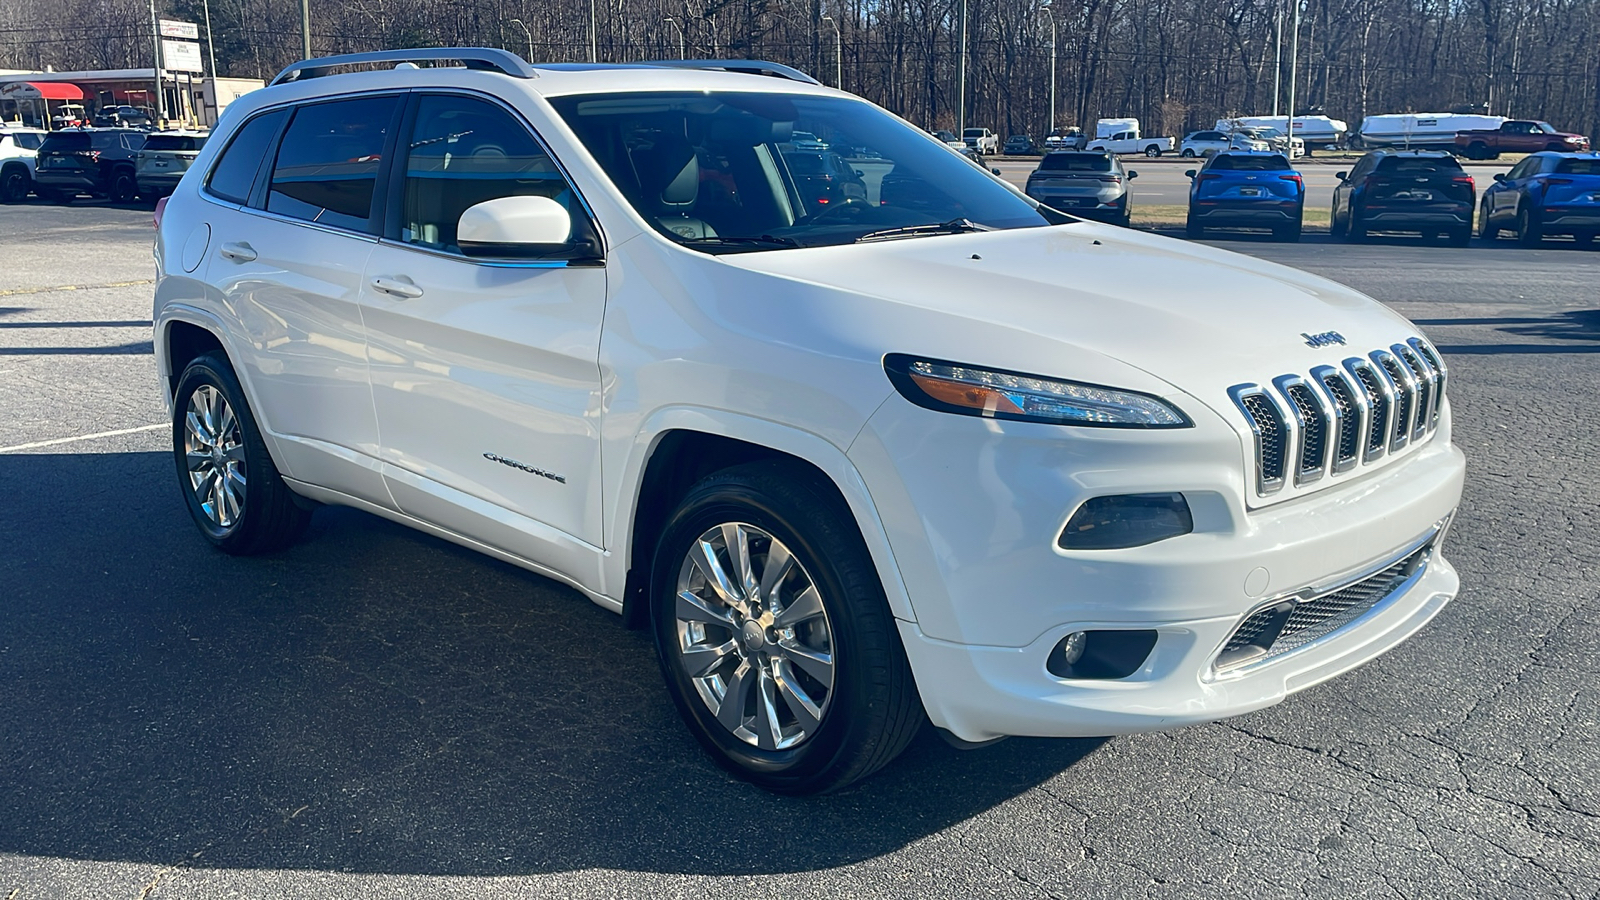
(720, 170)
(1546, 127)
(173, 142)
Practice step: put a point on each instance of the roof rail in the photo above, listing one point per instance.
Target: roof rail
(487, 59)
(744, 66)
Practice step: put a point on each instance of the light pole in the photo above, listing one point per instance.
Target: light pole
(1294, 64)
(838, 53)
(682, 53)
(1277, 62)
(1045, 8)
(961, 77)
(519, 24)
(305, 28)
(161, 88)
(594, 33)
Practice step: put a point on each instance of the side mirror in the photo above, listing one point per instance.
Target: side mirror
(994, 170)
(1340, 175)
(1132, 174)
(1188, 173)
(514, 226)
(1499, 176)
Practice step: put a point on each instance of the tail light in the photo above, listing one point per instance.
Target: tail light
(1111, 179)
(1464, 179)
(1293, 178)
(1205, 176)
(161, 208)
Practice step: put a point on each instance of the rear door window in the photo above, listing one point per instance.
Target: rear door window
(328, 162)
(235, 172)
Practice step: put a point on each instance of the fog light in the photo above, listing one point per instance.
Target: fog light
(1100, 654)
(1126, 520)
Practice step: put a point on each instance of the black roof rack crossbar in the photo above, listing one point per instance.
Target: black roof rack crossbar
(488, 59)
(744, 66)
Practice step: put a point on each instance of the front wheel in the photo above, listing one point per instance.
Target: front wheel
(774, 635)
(230, 484)
(1188, 153)
(1486, 227)
(123, 187)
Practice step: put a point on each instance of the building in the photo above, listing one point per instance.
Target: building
(57, 99)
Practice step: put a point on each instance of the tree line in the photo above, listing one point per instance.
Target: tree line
(1178, 65)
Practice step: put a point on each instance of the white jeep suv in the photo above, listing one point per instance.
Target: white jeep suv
(585, 320)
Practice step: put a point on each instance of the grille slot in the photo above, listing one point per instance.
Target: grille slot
(1289, 625)
(1341, 418)
(1271, 438)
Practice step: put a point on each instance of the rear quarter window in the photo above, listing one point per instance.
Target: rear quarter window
(235, 172)
(28, 141)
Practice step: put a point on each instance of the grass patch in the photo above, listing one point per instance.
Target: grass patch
(1160, 216)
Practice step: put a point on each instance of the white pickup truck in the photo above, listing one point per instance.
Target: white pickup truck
(982, 140)
(1127, 140)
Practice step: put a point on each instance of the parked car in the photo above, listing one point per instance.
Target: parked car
(949, 137)
(803, 140)
(1547, 193)
(1069, 139)
(1205, 143)
(1246, 189)
(19, 151)
(123, 117)
(98, 162)
(1087, 183)
(946, 457)
(1316, 132)
(1517, 136)
(1275, 140)
(1404, 190)
(1019, 145)
(164, 158)
(982, 140)
(824, 179)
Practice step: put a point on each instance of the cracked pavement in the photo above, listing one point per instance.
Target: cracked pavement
(376, 713)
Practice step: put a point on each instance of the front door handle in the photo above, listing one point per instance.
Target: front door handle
(240, 252)
(398, 286)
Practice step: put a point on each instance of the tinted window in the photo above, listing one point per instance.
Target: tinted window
(173, 142)
(1424, 165)
(462, 152)
(236, 171)
(28, 141)
(1249, 163)
(328, 162)
(1578, 167)
(1075, 162)
(66, 142)
(806, 163)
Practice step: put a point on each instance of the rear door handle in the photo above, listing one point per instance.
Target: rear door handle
(240, 252)
(398, 286)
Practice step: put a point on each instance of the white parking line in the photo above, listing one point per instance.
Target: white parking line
(82, 437)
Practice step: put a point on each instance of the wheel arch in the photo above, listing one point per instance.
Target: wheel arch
(686, 446)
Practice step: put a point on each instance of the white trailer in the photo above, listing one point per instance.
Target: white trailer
(1422, 131)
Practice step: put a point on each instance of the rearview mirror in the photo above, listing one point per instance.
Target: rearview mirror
(514, 226)
(1188, 173)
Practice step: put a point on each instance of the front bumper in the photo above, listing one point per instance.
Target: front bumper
(973, 509)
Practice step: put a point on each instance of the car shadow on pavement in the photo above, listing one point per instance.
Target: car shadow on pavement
(375, 700)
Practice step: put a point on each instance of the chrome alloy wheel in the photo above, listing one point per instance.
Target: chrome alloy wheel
(753, 636)
(213, 447)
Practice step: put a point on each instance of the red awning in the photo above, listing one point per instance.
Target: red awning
(41, 90)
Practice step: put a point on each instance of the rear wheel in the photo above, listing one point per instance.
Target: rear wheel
(1288, 233)
(1337, 227)
(1478, 150)
(1486, 227)
(1528, 232)
(123, 188)
(1188, 153)
(15, 184)
(1193, 230)
(1355, 228)
(1152, 151)
(229, 482)
(774, 635)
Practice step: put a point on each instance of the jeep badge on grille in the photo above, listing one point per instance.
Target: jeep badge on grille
(1324, 339)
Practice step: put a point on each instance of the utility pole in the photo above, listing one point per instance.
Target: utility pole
(529, 34)
(161, 93)
(1277, 61)
(961, 77)
(1294, 64)
(305, 28)
(211, 48)
(594, 34)
(1045, 8)
(838, 53)
(682, 53)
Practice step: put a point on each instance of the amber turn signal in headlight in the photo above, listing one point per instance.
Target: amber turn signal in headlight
(998, 394)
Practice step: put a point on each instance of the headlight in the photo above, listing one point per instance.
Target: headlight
(996, 394)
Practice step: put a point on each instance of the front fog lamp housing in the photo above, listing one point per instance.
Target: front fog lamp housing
(1126, 520)
(998, 394)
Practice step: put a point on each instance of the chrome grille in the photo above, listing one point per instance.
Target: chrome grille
(1288, 625)
(1339, 419)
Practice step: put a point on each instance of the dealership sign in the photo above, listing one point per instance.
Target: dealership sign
(188, 31)
(181, 56)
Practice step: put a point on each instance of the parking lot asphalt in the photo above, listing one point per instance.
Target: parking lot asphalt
(375, 713)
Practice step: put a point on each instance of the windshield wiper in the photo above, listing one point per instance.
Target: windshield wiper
(765, 240)
(954, 226)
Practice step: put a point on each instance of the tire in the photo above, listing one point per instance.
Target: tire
(121, 187)
(1459, 237)
(1289, 234)
(1188, 153)
(1152, 151)
(15, 184)
(1193, 230)
(869, 708)
(1528, 233)
(1486, 227)
(1355, 229)
(261, 514)
(1477, 150)
(1337, 227)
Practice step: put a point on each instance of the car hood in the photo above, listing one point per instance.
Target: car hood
(1200, 319)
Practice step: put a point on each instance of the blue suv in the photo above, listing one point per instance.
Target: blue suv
(1546, 193)
(1246, 189)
